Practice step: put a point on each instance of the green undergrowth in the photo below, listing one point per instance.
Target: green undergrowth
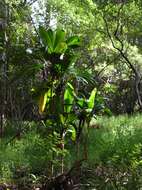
(114, 146)
(115, 152)
(114, 136)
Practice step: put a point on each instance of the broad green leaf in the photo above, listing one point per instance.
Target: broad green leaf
(62, 118)
(81, 102)
(92, 99)
(59, 38)
(44, 98)
(68, 97)
(47, 37)
(50, 94)
(43, 35)
(42, 102)
(50, 41)
(74, 41)
(61, 47)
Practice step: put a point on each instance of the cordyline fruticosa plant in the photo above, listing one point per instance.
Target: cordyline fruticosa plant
(66, 114)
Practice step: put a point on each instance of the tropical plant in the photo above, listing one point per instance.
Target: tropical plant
(64, 111)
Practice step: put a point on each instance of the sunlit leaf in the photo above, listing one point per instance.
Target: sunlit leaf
(42, 102)
(61, 47)
(44, 98)
(91, 99)
(68, 97)
(59, 38)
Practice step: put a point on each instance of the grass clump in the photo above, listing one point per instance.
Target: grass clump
(115, 152)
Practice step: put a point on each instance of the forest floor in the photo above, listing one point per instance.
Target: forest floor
(114, 156)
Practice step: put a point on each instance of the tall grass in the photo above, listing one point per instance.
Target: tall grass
(115, 153)
(115, 147)
(119, 134)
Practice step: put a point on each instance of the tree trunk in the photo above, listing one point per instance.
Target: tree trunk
(3, 61)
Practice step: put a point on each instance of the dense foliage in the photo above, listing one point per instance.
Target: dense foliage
(63, 66)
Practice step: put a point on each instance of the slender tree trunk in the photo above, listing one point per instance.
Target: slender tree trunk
(3, 62)
(137, 86)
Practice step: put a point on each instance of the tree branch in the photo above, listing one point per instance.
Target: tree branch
(122, 53)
